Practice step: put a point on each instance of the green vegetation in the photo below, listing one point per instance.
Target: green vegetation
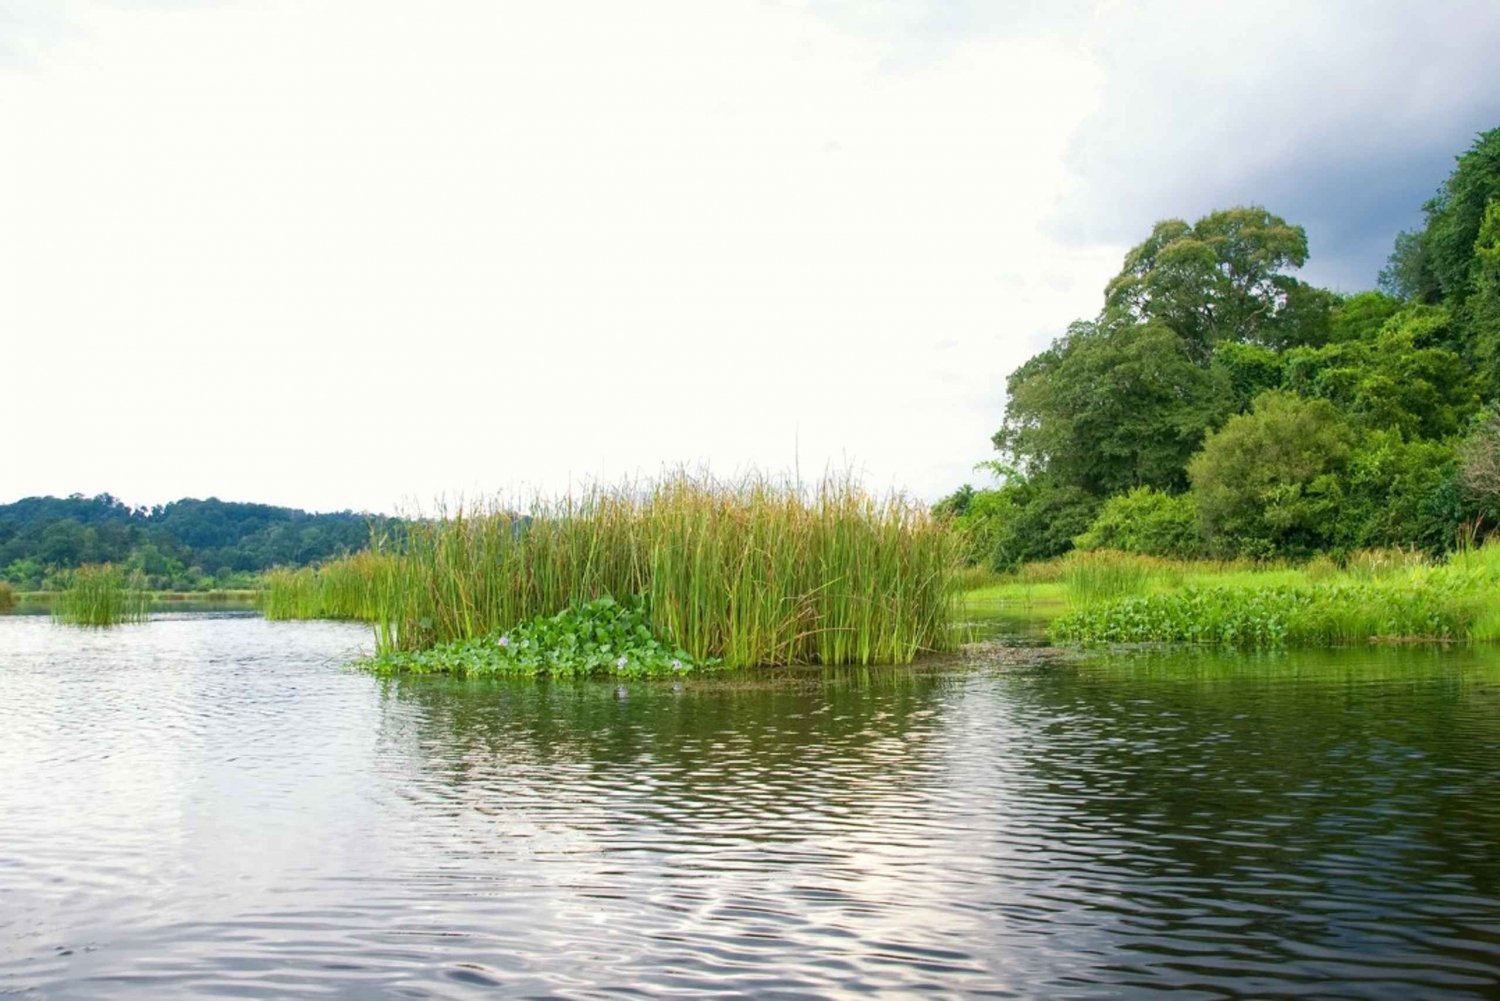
(600, 637)
(188, 545)
(7, 596)
(748, 574)
(100, 596)
(745, 574)
(345, 588)
(1220, 406)
(1377, 595)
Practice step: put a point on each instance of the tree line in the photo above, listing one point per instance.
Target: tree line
(185, 545)
(1220, 406)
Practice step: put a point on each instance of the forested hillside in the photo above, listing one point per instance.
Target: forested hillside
(186, 544)
(1218, 405)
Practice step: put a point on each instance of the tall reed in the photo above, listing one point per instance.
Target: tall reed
(1105, 575)
(345, 588)
(751, 572)
(100, 595)
(7, 596)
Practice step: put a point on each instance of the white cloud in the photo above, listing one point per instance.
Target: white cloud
(339, 254)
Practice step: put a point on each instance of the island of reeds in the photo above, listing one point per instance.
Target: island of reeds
(100, 595)
(672, 576)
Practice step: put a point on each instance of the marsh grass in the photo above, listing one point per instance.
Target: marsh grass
(346, 588)
(7, 596)
(100, 595)
(1105, 575)
(747, 573)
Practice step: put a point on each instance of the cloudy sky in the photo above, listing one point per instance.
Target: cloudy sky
(362, 254)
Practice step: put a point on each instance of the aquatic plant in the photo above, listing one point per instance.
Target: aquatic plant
(600, 637)
(1105, 575)
(7, 596)
(100, 595)
(751, 572)
(345, 588)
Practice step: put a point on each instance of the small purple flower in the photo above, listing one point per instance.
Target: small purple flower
(505, 641)
(677, 666)
(621, 662)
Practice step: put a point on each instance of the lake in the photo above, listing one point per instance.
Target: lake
(213, 805)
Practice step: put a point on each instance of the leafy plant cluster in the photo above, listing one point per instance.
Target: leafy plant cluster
(1220, 406)
(594, 638)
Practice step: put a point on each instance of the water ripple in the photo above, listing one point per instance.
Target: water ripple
(214, 806)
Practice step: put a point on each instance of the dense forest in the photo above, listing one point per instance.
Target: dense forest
(1220, 406)
(184, 545)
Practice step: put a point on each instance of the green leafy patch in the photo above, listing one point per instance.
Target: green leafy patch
(603, 637)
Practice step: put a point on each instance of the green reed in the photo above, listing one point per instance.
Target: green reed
(748, 573)
(100, 595)
(7, 596)
(345, 588)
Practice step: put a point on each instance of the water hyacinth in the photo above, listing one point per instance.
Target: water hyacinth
(596, 638)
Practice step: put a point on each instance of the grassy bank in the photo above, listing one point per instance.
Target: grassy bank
(750, 573)
(1377, 595)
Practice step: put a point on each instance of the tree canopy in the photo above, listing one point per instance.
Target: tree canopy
(1286, 417)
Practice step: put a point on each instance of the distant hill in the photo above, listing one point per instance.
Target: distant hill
(187, 544)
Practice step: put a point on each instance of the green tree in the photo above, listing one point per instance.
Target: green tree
(1221, 279)
(1108, 409)
(1269, 481)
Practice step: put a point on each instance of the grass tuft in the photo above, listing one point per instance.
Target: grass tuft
(100, 596)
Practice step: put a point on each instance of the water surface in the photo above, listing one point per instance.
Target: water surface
(214, 806)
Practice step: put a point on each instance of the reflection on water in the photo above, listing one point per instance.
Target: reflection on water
(201, 805)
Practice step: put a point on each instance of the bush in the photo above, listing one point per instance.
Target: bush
(1270, 481)
(1146, 521)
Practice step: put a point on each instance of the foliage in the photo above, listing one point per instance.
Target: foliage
(599, 637)
(1479, 465)
(185, 545)
(7, 597)
(1020, 522)
(1269, 480)
(1110, 408)
(1439, 262)
(100, 596)
(1205, 319)
(1221, 279)
(1146, 521)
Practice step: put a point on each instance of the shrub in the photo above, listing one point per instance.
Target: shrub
(1146, 521)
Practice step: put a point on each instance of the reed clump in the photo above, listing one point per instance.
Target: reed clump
(346, 588)
(100, 595)
(747, 573)
(7, 596)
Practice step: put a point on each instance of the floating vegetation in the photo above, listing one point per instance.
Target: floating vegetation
(100, 596)
(600, 637)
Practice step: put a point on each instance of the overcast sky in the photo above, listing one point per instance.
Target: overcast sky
(361, 254)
